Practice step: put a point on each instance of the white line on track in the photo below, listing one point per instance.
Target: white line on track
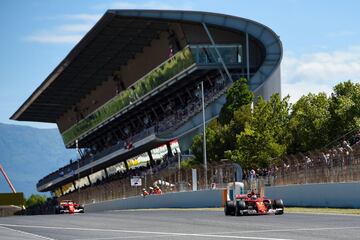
(144, 232)
(27, 233)
(290, 230)
(125, 237)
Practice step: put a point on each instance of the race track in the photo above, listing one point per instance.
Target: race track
(178, 224)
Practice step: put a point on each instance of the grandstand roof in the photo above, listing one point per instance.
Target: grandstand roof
(116, 38)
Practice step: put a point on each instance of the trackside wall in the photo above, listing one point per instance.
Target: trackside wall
(342, 195)
(197, 199)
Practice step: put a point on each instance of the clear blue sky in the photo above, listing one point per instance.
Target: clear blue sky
(321, 39)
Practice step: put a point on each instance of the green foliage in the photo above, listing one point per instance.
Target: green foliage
(35, 200)
(238, 95)
(345, 109)
(221, 134)
(214, 142)
(265, 135)
(310, 122)
(179, 62)
(190, 163)
(274, 128)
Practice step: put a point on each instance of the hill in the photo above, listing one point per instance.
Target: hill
(28, 154)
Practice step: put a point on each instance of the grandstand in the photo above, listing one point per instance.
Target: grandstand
(127, 95)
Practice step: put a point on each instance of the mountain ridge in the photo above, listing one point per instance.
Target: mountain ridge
(28, 154)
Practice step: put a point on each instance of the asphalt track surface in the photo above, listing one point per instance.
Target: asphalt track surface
(178, 224)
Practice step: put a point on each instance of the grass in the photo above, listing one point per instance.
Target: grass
(353, 211)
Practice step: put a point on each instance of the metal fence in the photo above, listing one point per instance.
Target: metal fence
(170, 179)
(322, 166)
(332, 165)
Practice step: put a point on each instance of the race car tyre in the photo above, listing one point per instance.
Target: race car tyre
(239, 209)
(279, 204)
(227, 210)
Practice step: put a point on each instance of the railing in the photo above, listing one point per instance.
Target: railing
(334, 165)
(169, 179)
(199, 54)
(167, 124)
(74, 166)
(340, 167)
(176, 64)
(206, 54)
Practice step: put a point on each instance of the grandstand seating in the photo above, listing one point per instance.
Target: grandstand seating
(177, 116)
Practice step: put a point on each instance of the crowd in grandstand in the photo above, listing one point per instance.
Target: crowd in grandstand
(175, 115)
(180, 114)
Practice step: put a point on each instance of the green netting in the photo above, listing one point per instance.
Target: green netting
(179, 62)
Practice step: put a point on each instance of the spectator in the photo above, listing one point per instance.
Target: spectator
(346, 146)
(157, 191)
(252, 175)
(144, 193)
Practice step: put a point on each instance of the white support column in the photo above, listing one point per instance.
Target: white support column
(217, 51)
(77, 149)
(247, 58)
(204, 135)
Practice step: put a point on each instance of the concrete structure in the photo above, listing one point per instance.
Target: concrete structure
(341, 195)
(197, 199)
(332, 195)
(117, 92)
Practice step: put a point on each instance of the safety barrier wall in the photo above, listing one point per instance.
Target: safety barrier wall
(9, 210)
(342, 195)
(196, 199)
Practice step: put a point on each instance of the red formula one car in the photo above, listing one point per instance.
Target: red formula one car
(68, 206)
(238, 203)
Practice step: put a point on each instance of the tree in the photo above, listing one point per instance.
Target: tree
(35, 200)
(310, 123)
(237, 95)
(265, 136)
(241, 117)
(345, 109)
(214, 143)
(221, 134)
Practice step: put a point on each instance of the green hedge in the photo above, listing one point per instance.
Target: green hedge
(179, 62)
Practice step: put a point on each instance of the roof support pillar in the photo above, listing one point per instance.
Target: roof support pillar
(169, 149)
(74, 183)
(247, 58)
(152, 162)
(106, 173)
(217, 51)
(88, 177)
(126, 165)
